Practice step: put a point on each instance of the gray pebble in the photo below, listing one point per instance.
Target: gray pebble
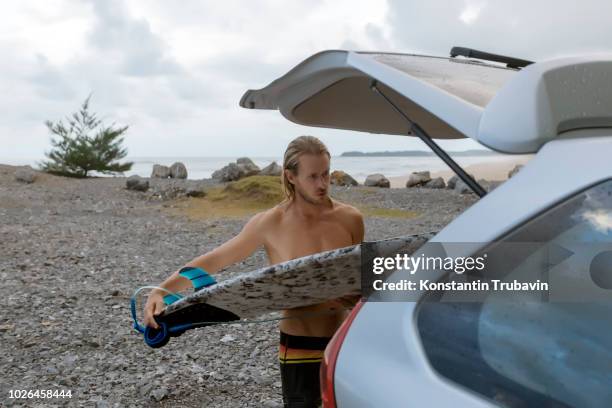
(271, 404)
(159, 394)
(102, 404)
(101, 242)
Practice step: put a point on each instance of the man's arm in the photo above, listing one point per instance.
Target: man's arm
(234, 250)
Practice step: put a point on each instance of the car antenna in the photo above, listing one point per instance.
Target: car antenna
(418, 131)
(510, 62)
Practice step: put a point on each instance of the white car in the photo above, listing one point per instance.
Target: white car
(522, 352)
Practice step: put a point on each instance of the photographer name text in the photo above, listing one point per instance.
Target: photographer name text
(425, 284)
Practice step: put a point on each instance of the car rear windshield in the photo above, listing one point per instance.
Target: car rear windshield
(537, 353)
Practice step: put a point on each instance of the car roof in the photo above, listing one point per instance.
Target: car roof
(505, 109)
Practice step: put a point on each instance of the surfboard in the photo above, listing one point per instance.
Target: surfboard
(299, 282)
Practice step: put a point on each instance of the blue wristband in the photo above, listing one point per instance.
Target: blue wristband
(199, 277)
(169, 299)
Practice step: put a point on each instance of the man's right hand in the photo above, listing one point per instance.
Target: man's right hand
(154, 306)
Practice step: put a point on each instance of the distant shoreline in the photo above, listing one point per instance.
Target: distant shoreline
(418, 153)
(397, 170)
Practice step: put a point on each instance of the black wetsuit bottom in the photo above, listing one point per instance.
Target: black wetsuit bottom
(300, 360)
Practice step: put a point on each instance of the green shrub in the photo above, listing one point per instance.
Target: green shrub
(85, 145)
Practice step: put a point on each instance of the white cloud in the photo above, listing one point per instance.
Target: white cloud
(54, 28)
(522, 28)
(471, 12)
(175, 71)
(174, 74)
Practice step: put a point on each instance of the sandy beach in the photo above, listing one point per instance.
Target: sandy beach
(492, 170)
(74, 250)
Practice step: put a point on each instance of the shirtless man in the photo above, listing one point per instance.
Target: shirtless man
(307, 222)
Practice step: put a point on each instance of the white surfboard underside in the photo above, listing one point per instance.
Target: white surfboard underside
(300, 282)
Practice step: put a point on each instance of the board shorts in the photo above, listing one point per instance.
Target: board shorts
(300, 359)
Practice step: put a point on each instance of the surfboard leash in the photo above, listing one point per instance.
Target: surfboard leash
(157, 338)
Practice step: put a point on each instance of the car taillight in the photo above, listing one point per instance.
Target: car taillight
(328, 365)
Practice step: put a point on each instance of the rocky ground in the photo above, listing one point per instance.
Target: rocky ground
(73, 251)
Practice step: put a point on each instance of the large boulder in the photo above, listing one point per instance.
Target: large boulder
(25, 175)
(462, 188)
(178, 171)
(231, 172)
(515, 170)
(452, 182)
(438, 182)
(488, 185)
(272, 169)
(160, 171)
(136, 183)
(340, 178)
(246, 161)
(418, 178)
(244, 167)
(377, 180)
(247, 166)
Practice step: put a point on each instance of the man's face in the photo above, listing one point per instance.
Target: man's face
(312, 180)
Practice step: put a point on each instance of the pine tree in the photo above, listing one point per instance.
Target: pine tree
(77, 152)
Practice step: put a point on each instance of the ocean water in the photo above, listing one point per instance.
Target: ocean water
(358, 167)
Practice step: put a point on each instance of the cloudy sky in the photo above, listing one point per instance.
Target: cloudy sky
(175, 71)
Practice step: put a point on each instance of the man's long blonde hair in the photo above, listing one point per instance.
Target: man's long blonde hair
(298, 147)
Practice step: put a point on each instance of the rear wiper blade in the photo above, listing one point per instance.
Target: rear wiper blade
(510, 62)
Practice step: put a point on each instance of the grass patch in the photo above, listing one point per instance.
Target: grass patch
(253, 194)
(237, 199)
(263, 191)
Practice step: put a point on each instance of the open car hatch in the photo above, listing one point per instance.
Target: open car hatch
(505, 109)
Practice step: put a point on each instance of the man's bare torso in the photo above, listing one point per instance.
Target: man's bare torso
(289, 235)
